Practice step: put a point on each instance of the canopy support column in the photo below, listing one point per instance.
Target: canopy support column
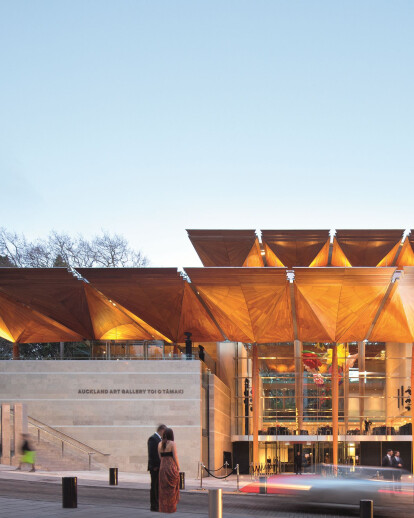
(335, 401)
(16, 351)
(346, 396)
(412, 406)
(361, 391)
(298, 384)
(256, 404)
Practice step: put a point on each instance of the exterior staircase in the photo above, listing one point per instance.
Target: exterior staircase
(56, 451)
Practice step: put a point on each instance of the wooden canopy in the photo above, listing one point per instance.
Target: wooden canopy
(21, 323)
(302, 248)
(50, 291)
(226, 247)
(406, 256)
(338, 304)
(50, 304)
(368, 247)
(159, 297)
(250, 305)
(255, 305)
(396, 321)
(295, 247)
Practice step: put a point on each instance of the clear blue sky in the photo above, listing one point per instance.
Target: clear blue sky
(149, 117)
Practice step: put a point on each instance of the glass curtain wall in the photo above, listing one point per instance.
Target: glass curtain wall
(296, 391)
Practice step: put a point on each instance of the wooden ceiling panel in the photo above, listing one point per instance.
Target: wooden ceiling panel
(250, 305)
(157, 299)
(367, 247)
(341, 301)
(271, 258)
(323, 256)
(109, 321)
(196, 320)
(22, 324)
(363, 290)
(222, 247)
(254, 259)
(310, 329)
(152, 294)
(5, 332)
(51, 291)
(392, 324)
(295, 247)
(230, 302)
(406, 291)
(406, 257)
(270, 312)
(321, 288)
(389, 259)
(338, 256)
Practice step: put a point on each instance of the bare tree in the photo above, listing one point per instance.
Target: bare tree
(111, 251)
(104, 250)
(13, 247)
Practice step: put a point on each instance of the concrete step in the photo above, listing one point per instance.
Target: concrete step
(49, 455)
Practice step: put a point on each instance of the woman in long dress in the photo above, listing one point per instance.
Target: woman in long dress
(169, 477)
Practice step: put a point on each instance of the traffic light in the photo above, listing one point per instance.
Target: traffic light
(408, 400)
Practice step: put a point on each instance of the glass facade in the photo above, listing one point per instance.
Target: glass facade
(295, 387)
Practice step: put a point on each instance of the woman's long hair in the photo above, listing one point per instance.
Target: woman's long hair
(168, 435)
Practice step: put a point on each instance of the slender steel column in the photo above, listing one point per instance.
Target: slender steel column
(256, 404)
(335, 400)
(361, 370)
(388, 379)
(298, 383)
(346, 397)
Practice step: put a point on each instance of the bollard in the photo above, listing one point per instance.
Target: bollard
(113, 476)
(262, 485)
(238, 477)
(182, 480)
(69, 492)
(215, 503)
(366, 509)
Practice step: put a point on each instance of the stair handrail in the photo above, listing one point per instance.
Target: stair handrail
(64, 438)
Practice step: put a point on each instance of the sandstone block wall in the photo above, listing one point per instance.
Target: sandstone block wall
(112, 406)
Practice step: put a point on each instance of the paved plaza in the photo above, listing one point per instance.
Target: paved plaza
(35, 495)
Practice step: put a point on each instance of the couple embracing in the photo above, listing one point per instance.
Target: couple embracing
(164, 468)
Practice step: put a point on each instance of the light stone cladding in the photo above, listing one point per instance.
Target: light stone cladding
(219, 421)
(125, 403)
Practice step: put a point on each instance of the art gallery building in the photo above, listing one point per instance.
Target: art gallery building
(301, 340)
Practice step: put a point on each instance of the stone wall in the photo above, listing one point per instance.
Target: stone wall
(219, 421)
(112, 406)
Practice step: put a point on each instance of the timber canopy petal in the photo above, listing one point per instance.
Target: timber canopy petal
(250, 305)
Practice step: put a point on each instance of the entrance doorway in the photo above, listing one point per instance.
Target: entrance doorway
(278, 456)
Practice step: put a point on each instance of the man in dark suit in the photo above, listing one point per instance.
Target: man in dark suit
(297, 462)
(399, 465)
(154, 464)
(387, 462)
